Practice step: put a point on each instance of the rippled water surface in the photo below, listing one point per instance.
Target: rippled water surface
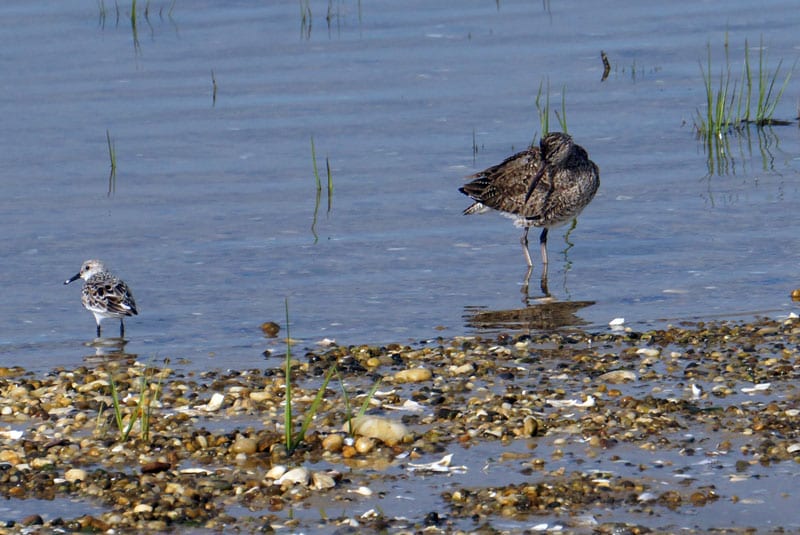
(211, 216)
(214, 219)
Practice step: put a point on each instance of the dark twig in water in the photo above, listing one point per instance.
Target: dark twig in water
(606, 66)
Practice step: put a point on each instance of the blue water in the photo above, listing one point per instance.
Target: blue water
(210, 221)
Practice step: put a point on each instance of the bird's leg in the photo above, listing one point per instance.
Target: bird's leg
(524, 242)
(543, 245)
(121, 328)
(525, 283)
(98, 330)
(543, 282)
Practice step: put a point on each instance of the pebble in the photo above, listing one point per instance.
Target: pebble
(413, 375)
(388, 431)
(617, 376)
(215, 403)
(75, 474)
(333, 443)
(270, 329)
(244, 445)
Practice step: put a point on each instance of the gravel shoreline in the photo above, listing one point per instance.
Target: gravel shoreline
(580, 402)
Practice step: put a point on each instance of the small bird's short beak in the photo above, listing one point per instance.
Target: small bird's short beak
(74, 278)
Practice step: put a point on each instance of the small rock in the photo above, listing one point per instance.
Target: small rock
(75, 474)
(215, 403)
(617, 376)
(143, 508)
(295, 476)
(260, 395)
(32, 520)
(276, 471)
(320, 481)
(413, 375)
(155, 467)
(364, 444)
(387, 431)
(270, 329)
(244, 445)
(333, 443)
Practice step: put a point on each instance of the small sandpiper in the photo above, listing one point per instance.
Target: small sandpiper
(104, 295)
(543, 186)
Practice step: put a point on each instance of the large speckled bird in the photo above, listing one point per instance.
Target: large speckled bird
(543, 186)
(104, 295)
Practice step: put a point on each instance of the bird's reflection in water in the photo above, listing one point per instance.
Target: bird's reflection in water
(543, 314)
(106, 349)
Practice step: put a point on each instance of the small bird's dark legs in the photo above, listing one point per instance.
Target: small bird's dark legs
(98, 330)
(121, 328)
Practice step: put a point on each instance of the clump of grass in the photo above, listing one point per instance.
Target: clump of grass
(729, 101)
(544, 111)
(293, 440)
(142, 412)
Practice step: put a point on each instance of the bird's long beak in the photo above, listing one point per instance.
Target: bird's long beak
(534, 183)
(73, 278)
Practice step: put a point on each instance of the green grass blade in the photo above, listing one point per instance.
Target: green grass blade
(115, 401)
(312, 410)
(314, 162)
(563, 118)
(368, 399)
(287, 413)
(348, 413)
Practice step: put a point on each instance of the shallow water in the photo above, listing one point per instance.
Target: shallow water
(211, 216)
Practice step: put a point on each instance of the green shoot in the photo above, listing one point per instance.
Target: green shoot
(287, 412)
(312, 411)
(112, 156)
(330, 183)
(314, 162)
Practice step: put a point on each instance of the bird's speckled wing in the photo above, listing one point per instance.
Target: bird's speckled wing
(109, 295)
(503, 186)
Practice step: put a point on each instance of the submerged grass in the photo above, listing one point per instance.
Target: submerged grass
(112, 156)
(213, 89)
(729, 100)
(318, 182)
